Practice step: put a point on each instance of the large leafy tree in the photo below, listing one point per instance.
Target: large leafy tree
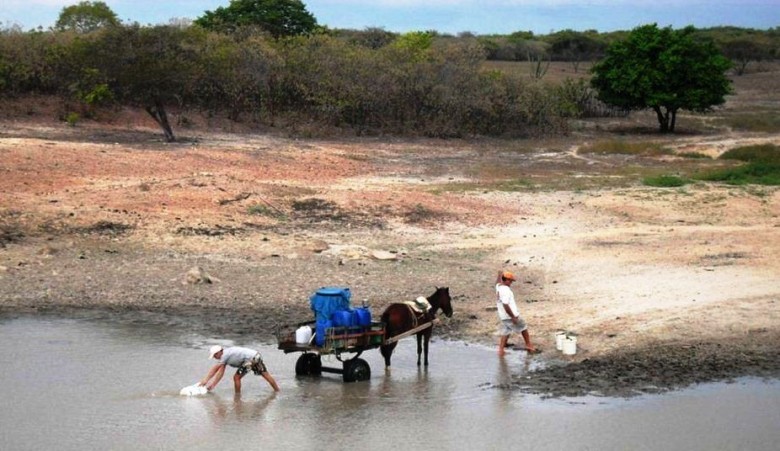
(280, 18)
(85, 17)
(665, 70)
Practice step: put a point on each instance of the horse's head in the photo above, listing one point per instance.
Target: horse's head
(441, 300)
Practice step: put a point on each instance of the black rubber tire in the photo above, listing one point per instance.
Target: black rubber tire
(356, 370)
(308, 364)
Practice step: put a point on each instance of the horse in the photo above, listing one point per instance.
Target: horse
(399, 318)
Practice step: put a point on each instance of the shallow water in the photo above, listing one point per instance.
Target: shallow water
(73, 384)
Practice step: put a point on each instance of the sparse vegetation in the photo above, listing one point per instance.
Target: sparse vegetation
(768, 153)
(419, 214)
(665, 181)
(72, 118)
(317, 210)
(694, 155)
(263, 210)
(625, 148)
(10, 233)
(761, 166)
(514, 185)
(767, 122)
(106, 228)
(235, 61)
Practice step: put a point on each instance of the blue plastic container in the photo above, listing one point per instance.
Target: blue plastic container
(328, 300)
(363, 317)
(321, 331)
(343, 318)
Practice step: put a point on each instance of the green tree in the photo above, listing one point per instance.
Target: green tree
(150, 67)
(280, 18)
(665, 70)
(575, 47)
(233, 75)
(416, 43)
(32, 62)
(86, 17)
(743, 51)
(371, 37)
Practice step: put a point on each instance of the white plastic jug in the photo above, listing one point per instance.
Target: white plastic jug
(303, 335)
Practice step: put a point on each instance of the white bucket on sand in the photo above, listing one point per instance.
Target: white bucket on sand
(570, 345)
(559, 337)
(303, 335)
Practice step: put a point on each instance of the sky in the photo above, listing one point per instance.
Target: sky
(446, 16)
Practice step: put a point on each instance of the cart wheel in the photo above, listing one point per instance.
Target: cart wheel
(356, 370)
(308, 365)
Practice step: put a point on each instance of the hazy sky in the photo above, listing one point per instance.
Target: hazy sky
(447, 16)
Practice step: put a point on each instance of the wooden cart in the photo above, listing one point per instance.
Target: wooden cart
(341, 342)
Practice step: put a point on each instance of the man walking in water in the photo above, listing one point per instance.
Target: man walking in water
(509, 315)
(242, 358)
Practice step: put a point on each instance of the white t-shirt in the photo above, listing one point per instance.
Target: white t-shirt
(505, 297)
(235, 356)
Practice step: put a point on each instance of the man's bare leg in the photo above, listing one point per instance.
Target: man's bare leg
(502, 344)
(237, 382)
(527, 338)
(267, 376)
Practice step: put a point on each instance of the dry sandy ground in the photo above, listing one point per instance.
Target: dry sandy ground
(664, 287)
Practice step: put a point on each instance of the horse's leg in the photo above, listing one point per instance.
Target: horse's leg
(427, 340)
(419, 349)
(387, 352)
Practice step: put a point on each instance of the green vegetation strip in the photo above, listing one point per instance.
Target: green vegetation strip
(665, 181)
(761, 166)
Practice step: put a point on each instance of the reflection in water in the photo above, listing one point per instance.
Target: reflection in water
(115, 389)
(403, 388)
(506, 397)
(238, 410)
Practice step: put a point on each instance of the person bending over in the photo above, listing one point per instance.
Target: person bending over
(244, 359)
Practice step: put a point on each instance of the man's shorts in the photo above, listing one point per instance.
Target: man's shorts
(255, 364)
(507, 326)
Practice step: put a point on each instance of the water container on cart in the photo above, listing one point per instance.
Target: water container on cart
(303, 335)
(344, 318)
(328, 300)
(363, 316)
(321, 329)
(324, 303)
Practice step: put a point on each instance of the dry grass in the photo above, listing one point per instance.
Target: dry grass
(764, 122)
(622, 147)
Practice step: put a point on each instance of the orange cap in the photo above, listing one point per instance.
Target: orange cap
(508, 275)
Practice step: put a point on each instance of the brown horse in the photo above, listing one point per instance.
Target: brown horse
(399, 318)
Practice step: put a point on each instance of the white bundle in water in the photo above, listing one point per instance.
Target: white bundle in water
(193, 390)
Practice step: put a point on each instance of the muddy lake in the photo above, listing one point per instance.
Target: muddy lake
(75, 383)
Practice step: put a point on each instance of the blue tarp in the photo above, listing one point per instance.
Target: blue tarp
(328, 300)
